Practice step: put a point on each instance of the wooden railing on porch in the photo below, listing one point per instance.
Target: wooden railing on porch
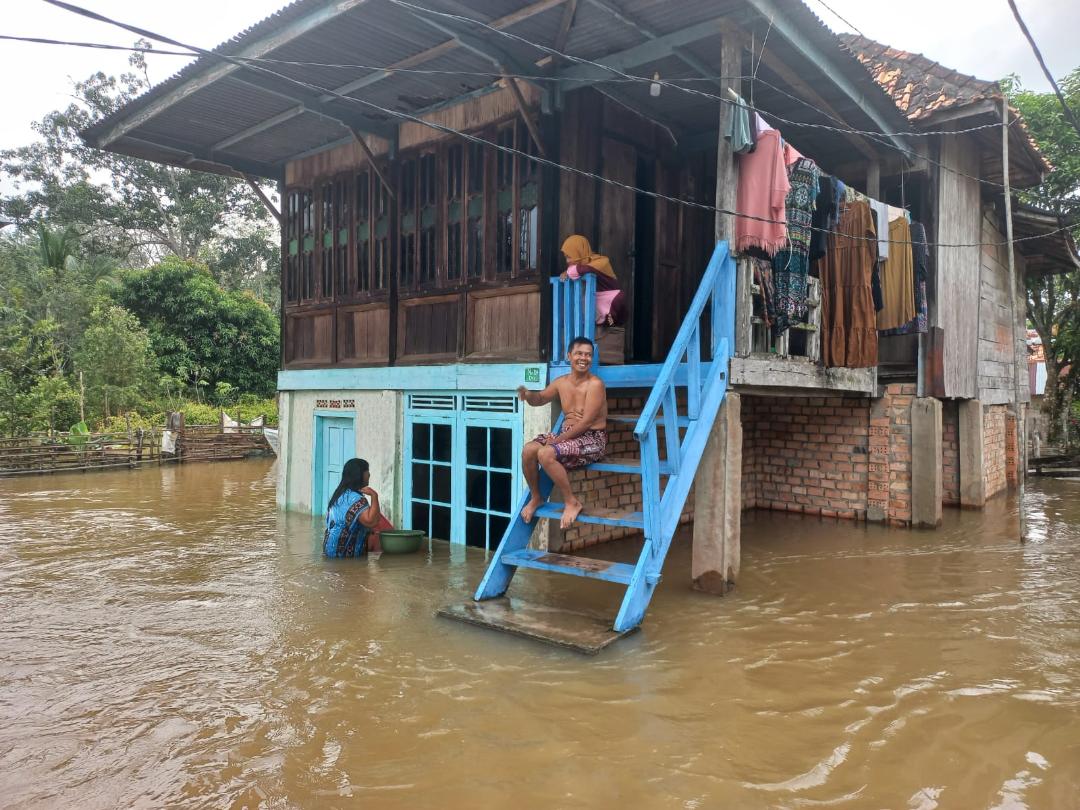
(752, 332)
(573, 314)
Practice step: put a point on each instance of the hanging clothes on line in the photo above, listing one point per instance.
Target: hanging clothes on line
(791, 265)
(881, 222)
(763, 188)
(739, 132)
(826, 210)
(897, 278)
(920, 255)
(849, 334)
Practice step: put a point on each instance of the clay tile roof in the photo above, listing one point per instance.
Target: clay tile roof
(919, 86)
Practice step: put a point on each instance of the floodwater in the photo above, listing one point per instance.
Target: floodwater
(169, 639)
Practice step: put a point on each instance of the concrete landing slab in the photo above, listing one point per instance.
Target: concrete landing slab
(585, 633)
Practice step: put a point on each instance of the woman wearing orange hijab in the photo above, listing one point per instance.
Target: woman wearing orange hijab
(610, 302)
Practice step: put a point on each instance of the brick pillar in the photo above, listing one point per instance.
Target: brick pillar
(1012, 460)
(889, 481)
(927, 486)
(972, 467)
(718, 504)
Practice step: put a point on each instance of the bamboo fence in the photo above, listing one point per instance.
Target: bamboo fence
(62, 452)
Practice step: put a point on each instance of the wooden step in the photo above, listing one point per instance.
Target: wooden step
(575, 630)
(599, 515)
(567, 564)
(626, 465)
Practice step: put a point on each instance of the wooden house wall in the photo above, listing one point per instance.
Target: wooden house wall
(957, 268)
(614, 142)
(997, 320)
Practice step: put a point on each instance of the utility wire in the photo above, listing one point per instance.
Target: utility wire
(846, 22)
(1046, 71)
(880, 138)
(508, 149)
(628, 79)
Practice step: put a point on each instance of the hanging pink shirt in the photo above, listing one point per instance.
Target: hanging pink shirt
(763, 188)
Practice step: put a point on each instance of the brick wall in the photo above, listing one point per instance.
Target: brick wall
(830, 456)
(995, 479)
(806, 455)
(950, 452)
(612, 490)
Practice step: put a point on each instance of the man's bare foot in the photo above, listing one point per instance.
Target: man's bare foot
(570, 513)
(530, 509)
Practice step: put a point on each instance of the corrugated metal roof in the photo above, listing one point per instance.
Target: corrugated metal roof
(378, 32)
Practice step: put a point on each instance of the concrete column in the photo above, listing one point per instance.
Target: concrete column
(284, 435)
(972, 467)
(927, 487)
(718, 504)
(547, 536)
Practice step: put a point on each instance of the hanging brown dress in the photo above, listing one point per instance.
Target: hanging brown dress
(849, 335)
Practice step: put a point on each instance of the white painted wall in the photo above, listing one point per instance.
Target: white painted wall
(378, 416)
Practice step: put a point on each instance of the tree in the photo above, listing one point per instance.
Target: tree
(1054, 301)
(27, 355)
(114, 357)
(200, 333)
(132, 209)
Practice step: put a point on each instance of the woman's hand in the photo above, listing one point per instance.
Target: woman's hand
(563, 276)
(369, 492)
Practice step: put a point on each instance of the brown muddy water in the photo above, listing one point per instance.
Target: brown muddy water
(169, 639)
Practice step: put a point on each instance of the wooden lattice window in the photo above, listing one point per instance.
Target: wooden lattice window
(474, 210)
(363, 232)
(293, 236)
(342, 222)
(455, 213)
(407, 225)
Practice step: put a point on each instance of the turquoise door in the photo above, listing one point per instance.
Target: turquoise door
(335, 443)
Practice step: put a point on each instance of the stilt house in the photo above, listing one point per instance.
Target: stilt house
(431, 155)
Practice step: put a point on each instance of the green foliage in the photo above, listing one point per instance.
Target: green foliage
(128, 208)
(201, 334)
(73, 299)
(114, 357)
(1057, 139)
(1053, 302)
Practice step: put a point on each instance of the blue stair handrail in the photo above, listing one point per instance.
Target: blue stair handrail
(573, 313)
(683, 452)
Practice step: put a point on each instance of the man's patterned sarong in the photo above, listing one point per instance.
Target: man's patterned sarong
(586, 449)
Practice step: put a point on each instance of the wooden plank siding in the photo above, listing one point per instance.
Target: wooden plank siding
(503, 324)
(996, 321)
(957, 268)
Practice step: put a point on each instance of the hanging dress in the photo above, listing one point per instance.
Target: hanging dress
(849, 334)
(792, 264)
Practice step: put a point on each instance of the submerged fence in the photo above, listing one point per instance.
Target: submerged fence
(63, 452)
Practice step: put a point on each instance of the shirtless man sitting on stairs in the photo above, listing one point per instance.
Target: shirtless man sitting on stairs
(583, 440)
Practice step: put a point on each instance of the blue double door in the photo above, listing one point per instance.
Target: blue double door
(335, 443)
(462, 478)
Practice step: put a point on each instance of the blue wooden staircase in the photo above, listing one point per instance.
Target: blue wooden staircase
(688, 380)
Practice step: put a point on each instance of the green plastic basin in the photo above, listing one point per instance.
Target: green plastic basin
(400, 541)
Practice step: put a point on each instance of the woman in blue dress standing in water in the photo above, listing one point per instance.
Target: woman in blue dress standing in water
(352, 514)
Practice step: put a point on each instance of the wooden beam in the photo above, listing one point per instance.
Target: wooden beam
(371, 162)
(187, 154)
(213, 73)
(523, 108)
(262, 126)
(251, 181)
(827, 62)
(780, 68)
(649, 51)
(569, 11)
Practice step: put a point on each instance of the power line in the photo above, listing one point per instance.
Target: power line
(846, 22)
(1046, 71)
(628, 78)
(879, 138)
(508, 149)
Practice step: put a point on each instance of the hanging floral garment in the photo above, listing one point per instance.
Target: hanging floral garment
(791, 265)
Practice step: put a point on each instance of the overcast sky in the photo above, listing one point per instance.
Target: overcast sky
(975, 36)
